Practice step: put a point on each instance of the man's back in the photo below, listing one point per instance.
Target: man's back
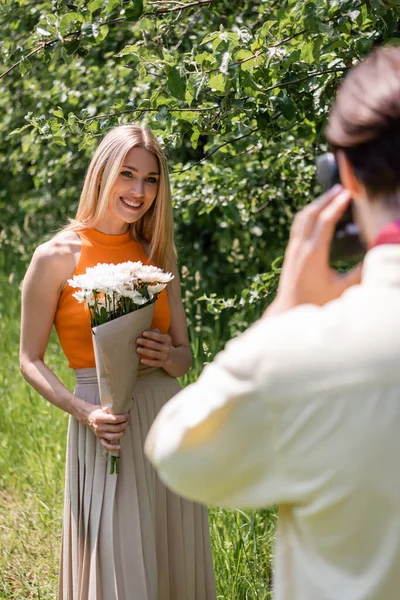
(339, 447)
(304, 410)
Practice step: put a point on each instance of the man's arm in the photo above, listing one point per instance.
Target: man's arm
(214, 442)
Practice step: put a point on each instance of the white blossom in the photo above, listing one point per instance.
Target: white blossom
(136, 297)
(80, 296)
(157, 288)
(105, 285)
(150, 274)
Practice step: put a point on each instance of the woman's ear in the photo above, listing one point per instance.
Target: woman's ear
(348, 177)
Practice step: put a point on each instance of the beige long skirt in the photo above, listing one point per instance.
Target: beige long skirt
(126, 536)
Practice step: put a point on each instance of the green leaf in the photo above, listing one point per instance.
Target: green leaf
(24, 66)
(141, 71)
(311, 20)
(250, 63)
(363, 45)
(131, 49)
(288, 108)
(58, 112)
(221, 38)
(109, 7)
(194, 138)
(59, 140)
(103, 315)
(87, 30)
(71, 46)
(162, 115)
(19, 130)
(217, 82)
(162, 100)
(187, 115)
(72, 118)
(242, 54)
(68, 19)
(190, 92)
(94, 5)
(209, 37)
(263, 120)
(55, 125)
(103, 32)
(176, 83)
(134, 12)
(307, 52)
(43, 32)
(316, 51)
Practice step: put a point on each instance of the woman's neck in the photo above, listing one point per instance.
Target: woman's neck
(111, 228)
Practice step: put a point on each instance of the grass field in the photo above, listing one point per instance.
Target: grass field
(32, 445)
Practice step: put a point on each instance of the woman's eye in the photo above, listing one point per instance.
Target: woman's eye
(151, 180)
(126, 173)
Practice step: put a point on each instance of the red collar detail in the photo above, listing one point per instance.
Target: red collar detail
(389, 234)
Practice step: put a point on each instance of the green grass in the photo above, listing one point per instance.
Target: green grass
(32, 449)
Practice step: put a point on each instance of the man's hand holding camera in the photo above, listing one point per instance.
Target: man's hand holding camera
(307, 277)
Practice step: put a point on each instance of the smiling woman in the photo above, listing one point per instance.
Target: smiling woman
(135, 188)
(126, 536)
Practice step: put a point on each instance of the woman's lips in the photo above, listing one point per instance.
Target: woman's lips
(131, 203)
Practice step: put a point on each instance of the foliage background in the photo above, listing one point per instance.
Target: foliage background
(239, 92)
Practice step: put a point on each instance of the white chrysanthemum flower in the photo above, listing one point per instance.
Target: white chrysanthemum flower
(106, 285)
(128, 267)
(80, 296)
(150, 274)
(136, 297)
(157, 288)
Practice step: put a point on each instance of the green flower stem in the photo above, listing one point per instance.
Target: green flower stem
(114, 465)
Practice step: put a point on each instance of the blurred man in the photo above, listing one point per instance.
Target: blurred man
(303, 409)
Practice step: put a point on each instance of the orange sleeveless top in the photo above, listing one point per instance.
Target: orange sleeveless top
(72, 321)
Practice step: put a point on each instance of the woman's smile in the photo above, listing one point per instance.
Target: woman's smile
(131, 202)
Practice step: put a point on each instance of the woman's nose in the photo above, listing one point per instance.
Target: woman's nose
(137, 187)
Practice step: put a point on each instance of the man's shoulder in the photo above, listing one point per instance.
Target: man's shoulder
(304, 348)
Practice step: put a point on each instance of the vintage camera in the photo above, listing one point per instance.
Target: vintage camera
(347, 244)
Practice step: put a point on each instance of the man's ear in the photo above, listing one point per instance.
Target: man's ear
(347, 176)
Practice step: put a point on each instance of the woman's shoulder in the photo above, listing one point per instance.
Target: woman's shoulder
(59, 254)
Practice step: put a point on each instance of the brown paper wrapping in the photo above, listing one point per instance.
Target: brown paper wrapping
(117, 361)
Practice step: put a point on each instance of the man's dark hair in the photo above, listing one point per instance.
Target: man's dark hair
(365, 121)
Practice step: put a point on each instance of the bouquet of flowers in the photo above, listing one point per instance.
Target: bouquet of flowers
(121, 300)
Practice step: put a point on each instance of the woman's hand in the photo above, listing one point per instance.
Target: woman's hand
(107, 427)
(154, 348)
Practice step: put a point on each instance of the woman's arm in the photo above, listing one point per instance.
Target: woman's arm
(170, 351)
(52, 264)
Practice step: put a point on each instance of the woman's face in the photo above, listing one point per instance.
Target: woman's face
(136, 186)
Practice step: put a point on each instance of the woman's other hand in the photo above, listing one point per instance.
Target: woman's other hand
(109, 428)
(154, 348)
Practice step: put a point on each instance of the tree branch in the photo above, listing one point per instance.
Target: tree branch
(305, 78)
(289, 38)
(211, 152)
(158, 11)
(144, 110)
(259, 52)
(41, 46)
(182, 6)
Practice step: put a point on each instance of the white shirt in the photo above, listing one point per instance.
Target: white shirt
(303, 410)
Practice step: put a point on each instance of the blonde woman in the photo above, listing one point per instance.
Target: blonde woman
(125, 537)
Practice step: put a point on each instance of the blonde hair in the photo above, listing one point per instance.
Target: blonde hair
(156, 226)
